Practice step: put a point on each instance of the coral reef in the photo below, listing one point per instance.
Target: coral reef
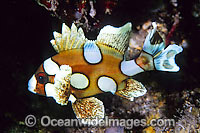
(175, 96)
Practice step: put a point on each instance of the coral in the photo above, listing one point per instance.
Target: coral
(189, 112)
(182, 104)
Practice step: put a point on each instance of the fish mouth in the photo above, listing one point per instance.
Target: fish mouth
(32, 84)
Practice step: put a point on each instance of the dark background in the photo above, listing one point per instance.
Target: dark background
(26, 31)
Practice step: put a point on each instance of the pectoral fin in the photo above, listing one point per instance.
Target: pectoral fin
(88, 108)
(60, 90)
(133, 89)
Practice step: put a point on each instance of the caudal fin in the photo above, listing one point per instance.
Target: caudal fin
(154, 53)
(153, 43)
(165, 61)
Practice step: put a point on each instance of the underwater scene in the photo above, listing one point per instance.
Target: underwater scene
(95, 66)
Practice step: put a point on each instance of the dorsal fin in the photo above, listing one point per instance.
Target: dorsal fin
(69, 39)
(116, 38)
(110, 51)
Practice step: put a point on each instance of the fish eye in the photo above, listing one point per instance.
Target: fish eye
(42, 78)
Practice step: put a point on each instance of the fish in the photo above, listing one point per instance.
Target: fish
(83, 68)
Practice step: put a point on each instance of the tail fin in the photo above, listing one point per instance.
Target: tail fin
(153, 43)
(154, 56)
(163, 59)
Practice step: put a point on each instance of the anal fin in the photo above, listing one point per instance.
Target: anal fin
(132, 89)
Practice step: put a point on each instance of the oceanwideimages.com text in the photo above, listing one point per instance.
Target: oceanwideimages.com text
(46, 121)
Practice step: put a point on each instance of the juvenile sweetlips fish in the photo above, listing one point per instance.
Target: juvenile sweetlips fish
(83, 68)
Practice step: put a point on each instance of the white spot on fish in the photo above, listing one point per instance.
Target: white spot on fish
(32, 84)
(50, 90)
(107, 84)
(92, 53)
(130, 68)
(50, 67)
(79, 81)
(72, 98)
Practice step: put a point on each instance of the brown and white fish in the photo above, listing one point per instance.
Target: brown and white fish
(83, 68)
